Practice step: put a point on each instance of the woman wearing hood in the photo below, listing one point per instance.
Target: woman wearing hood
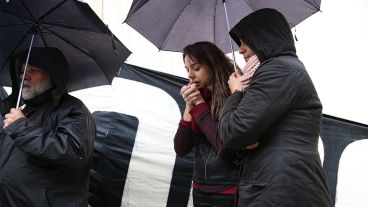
(280, 110)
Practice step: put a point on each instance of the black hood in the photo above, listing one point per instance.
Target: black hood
(266, 32)
(49, 59)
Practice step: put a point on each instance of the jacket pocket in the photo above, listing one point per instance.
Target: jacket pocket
(2, 195)
(45, 200)
(249, 192)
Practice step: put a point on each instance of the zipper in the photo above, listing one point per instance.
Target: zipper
(218, 153)
(205, 166)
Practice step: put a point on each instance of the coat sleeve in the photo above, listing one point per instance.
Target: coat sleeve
(202, 116)
(183, 141)
(245, 117)
(69, 144)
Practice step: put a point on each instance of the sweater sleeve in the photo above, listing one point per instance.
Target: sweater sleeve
(201, 114)
(183, 141)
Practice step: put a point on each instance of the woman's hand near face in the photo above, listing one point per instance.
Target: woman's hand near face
(245, 81)
(185, 91)
(236, 82)
(196, 96)
(188, 106)
(191, 95)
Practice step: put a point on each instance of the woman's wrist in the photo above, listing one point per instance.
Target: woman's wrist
(236, 90)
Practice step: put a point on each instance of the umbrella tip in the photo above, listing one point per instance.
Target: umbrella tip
(296, 38)
(113, 44)
(118, 73)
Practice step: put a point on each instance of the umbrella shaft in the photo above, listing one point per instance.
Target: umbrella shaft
(24, 72)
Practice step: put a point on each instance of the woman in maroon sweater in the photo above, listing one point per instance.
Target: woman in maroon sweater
(214, 175)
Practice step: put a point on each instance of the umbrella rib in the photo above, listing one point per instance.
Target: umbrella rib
(314, 4)
(15, 48)
(39, 21)
(51, 10)
(168, 31)
(249, 4)
(25, 35)
(113, 37)
(22, 19)
(41, 34)
(74, 46)
(60, 25)
(29, 12)
(135, 11)
(13, 25)
(66, 26)
(67, 41)
(74, 28)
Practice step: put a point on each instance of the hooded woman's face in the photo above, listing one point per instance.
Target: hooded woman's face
(267, 32)
(36, 81)
(245, 50)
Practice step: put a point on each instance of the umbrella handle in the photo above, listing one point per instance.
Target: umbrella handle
(24, 72)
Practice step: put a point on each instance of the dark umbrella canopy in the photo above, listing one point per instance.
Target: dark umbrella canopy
(94, 54)
(172, 24)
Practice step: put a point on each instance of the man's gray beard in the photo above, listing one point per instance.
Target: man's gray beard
(31, 92)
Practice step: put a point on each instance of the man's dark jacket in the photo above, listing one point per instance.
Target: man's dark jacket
(46, 157)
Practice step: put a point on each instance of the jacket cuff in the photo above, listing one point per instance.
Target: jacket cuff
(13, 127)
(231, 102)
(186, 124)
(198, 110)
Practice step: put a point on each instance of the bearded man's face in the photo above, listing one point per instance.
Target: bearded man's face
(36, 81)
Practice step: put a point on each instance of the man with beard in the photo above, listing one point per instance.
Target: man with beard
(47, 151)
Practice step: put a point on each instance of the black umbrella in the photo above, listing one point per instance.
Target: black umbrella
(94, 54)
(172, 24)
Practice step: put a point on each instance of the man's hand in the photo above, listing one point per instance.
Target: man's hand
(12, 116)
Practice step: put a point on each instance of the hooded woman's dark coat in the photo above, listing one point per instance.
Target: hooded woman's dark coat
(281, 110)
(45, 158)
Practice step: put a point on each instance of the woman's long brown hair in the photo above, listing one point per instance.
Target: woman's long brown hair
(220, 68)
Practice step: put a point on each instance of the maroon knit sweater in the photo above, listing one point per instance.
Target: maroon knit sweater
(202, 123)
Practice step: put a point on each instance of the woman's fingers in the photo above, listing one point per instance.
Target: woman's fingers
(189, 93)
(238, 73)
(190, 97)
(235, 82)
(183, 89)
